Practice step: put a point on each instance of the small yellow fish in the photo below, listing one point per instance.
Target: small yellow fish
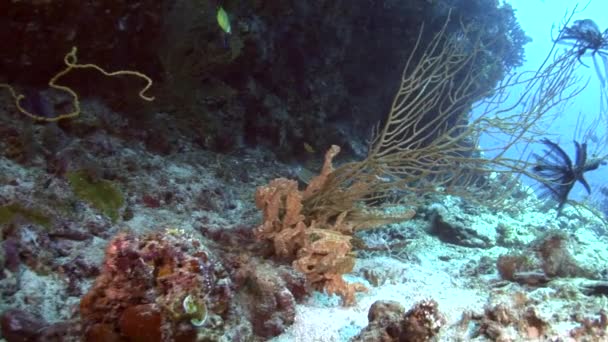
(223, 20)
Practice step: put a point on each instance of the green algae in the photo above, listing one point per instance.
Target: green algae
(11, 211)
(101, 194)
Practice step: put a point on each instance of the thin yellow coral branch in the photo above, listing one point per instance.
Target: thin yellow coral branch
(71, 62)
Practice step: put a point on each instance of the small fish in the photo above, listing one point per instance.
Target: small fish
(223, 20)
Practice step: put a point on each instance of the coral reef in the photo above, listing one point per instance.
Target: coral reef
(86, 202)
(548, 257)
(165, 286)
(269, 293)
(47, 269)
(497, 319)
(591, 329)
(421, 322)
(388, 322)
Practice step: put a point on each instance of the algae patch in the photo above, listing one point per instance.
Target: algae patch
(101, 194)
(10, 211)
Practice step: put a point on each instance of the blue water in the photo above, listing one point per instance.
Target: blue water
(541, 19)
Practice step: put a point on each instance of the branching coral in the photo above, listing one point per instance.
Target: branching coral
(429, 142)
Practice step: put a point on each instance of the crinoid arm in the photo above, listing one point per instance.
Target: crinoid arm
(580, 164)
(580, 54)
(601, 74)
(581, 155)
(555, 172)
(554, 157)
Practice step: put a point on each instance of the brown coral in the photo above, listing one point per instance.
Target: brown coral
(388, 322)
(422, 322)
(498, 321)
(270, 293)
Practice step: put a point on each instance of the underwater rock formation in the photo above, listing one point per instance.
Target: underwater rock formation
(388, 322)
(273, 80)
(547, 258)
(164, 286)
